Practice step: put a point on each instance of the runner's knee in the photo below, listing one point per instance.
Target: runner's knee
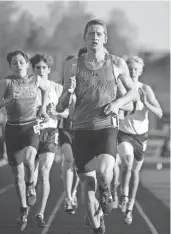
(105, 166)
(127, 162)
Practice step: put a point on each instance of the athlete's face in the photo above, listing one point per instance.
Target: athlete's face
(19, 66)
(135, 69)
(95, 37)
(42, 70)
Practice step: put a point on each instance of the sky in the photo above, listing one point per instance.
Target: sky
(150, 18)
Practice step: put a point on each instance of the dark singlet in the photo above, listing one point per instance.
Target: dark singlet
(24, 108)
(94, 90)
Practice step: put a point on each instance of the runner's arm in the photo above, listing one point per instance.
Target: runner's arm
(120, 93)
(10, 98)
(149, 99)
(42, 84)
(125, 80)
(69, 84)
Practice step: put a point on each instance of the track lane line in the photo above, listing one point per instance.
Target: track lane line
(145, 217)
(52, 216)
(5, 189)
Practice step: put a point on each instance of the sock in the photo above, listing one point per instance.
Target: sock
(23, 209)
(29, 183)
(39, 214)
(131, 204)
(97, 229)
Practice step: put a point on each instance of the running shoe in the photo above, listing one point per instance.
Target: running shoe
(128, 217)
(106, 200)
(102, 228)
(68, 206)
(23, 217)
(74, 201)
(31, 195)
(40, 221)
(123, 203)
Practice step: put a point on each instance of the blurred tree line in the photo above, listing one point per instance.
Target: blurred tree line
(60, 34)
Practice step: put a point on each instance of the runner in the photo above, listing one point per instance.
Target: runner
(132, 138)
(18, 95)
(41, 65)
(69, 173)
(98, 76)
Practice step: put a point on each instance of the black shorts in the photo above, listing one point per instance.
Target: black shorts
(139, 143)
(91, 143)
(66, 136)
(48, 141)
(17, 137)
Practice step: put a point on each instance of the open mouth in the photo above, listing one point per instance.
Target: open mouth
(94, 43)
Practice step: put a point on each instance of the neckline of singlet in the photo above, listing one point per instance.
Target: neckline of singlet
(107, 56)
(21, 80)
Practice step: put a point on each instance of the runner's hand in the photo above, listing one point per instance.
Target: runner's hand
(51, 109)
(13, 95)
(143, 96)
(70, 85)
(111, 109)
(43, 115)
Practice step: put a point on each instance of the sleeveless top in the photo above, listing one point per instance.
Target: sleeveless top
(24, 108)
(136, 123)
(94, 90)
(54, 92)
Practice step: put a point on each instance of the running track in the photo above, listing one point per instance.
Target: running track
(151, 216)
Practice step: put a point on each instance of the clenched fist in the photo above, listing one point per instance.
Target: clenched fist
(70, 85)
(13, 95)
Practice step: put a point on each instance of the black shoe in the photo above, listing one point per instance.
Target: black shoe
(106, 200)
(40, 221)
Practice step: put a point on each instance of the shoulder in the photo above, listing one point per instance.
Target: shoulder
(71, 65)
(57, 86)
(118, 61)
(120, 64)
(146, 88)
(6, 80)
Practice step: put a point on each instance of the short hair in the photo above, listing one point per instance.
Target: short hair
(135, 59)
(82, 51)
(69, 57)
(10, 55)
(95, 22)
(41, 57)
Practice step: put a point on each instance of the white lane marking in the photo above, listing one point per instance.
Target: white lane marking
(52, 216)
(3, 190)
(146, 219)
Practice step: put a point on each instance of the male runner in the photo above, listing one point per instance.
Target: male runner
(98, 77)
(19, 96)
(41, 65)
(132, 137)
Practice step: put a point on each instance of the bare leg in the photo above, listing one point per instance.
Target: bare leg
(18, 172)
(45, 165)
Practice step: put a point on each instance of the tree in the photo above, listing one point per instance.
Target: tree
(121, 35)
